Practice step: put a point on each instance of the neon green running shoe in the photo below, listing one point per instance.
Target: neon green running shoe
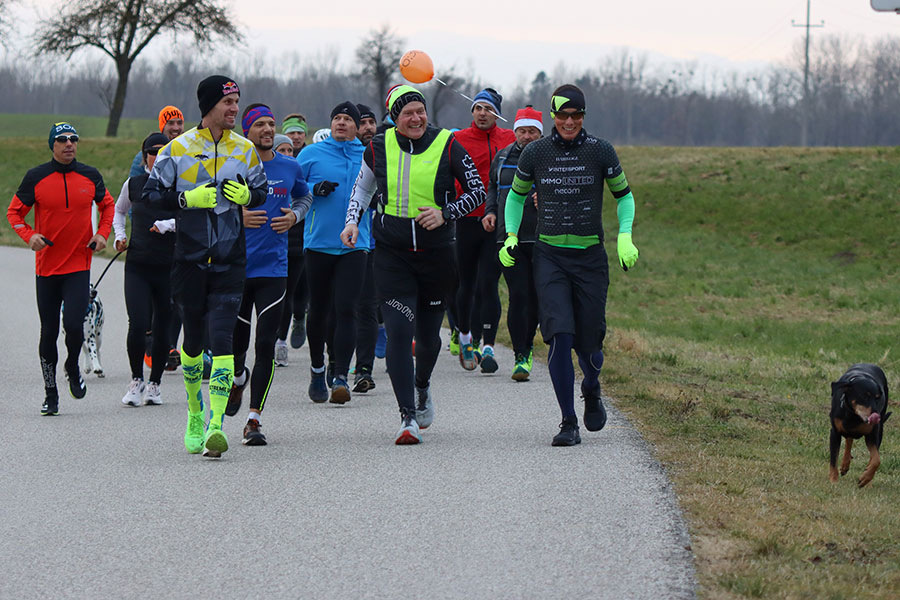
(521, 372)
(215, 443)
(530, 360)
(193, 435)
(454, 342)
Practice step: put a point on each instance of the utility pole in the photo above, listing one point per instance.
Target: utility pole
(804, 117)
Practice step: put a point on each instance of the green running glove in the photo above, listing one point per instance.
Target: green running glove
(236, 191)
(628, 254)
(199, 197)
(509, 246)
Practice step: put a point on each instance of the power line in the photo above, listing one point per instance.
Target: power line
(804, 131)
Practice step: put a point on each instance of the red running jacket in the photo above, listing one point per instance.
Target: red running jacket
(61, 196)
(483, 146)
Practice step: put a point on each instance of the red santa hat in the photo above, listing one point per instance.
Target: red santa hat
(529, 117)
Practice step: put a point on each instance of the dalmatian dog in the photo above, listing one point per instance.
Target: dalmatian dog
(93, 335)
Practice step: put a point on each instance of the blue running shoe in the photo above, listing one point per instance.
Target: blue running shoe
(488, 362)
(381, 342)
(468, 358)
(318, 391)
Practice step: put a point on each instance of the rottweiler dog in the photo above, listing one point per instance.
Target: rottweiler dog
(859, 400)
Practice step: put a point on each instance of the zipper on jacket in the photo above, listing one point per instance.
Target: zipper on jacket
(66, 187)
(412, 223)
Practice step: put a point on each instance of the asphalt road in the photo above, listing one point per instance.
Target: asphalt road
(103, 501)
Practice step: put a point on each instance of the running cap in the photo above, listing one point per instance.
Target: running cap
(366, 113)
(293, 123)
(252, 113)
(529, 117)
(567, 97)
(280, 139)
(154, 139)
(346, 108)
(59, 129)
(214, 88)
(167, 114)
(399, 96)
(488, 96)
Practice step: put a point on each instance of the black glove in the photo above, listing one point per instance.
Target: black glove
(323, 188)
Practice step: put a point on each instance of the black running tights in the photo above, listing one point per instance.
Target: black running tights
(148, 297)
(267, 295)
(52, 291)
(479, 274)
(402, 323)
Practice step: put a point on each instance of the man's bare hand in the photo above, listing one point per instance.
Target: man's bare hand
(286, 221)
(254, 219)
(349, 235)
(99, 243)
(121, 245)
(37, 242)
(489, 222)
(430, 217)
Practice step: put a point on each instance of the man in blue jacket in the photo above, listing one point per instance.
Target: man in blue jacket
(266, 233)
(334, 271)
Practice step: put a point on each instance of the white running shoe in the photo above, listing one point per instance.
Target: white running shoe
(409, 431)
(424, 407)
(152, 395)
(281, 353)
(135, 393)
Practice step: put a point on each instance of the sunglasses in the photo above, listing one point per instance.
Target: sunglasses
(576, 115)
(62, 139)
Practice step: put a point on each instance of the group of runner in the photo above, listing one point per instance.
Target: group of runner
(404, 227)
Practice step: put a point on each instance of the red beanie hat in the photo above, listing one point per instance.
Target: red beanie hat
(529, 117)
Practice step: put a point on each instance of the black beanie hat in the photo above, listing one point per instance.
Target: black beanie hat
(567, 96)
(154, 139)
(214, 88)
(365, 112)
(346, 108)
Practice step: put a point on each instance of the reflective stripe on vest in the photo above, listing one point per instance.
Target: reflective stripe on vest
(411, 177)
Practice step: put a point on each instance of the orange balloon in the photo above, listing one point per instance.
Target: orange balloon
(416, 66)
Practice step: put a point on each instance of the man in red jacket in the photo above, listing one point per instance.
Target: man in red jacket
(62, 192)
(476, 253)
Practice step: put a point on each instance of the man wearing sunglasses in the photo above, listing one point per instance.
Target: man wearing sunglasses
(571, 270)
(207, 175)
(62, 193)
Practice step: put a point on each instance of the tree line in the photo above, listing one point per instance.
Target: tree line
(854, 84)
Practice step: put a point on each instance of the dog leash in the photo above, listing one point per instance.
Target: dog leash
(111, 261)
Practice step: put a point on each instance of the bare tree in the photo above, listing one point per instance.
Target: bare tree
(378, 55)
(122, 29)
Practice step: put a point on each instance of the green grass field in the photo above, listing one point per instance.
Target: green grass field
(19, 125)
(764, 273)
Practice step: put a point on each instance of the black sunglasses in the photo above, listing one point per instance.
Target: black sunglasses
(575, 115)
(62, 139)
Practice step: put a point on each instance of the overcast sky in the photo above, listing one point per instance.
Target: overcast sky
(505, 42)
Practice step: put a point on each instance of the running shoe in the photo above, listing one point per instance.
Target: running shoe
(173, 361)
(340, 391)
(252, 434)
(235, 396)
(594, 411)
(298, 333)
(454, 342)
(50, 407)
(568, 433)
(424, 407)
(521, 372)
(194, 433)
(215, 442)
(152, 395)
(530, 359)
(468, 358)
(77, 387)
(363, 381)
(281, 353)
(135, 394)
(381, 342)
(318, 391)
(488, 362)
(409, 431)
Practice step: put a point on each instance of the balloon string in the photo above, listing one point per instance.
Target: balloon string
(466, 97)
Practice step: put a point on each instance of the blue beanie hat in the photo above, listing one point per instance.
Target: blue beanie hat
(488, 96)
(59, 129)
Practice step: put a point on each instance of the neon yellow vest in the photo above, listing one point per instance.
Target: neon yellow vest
(411, 177)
